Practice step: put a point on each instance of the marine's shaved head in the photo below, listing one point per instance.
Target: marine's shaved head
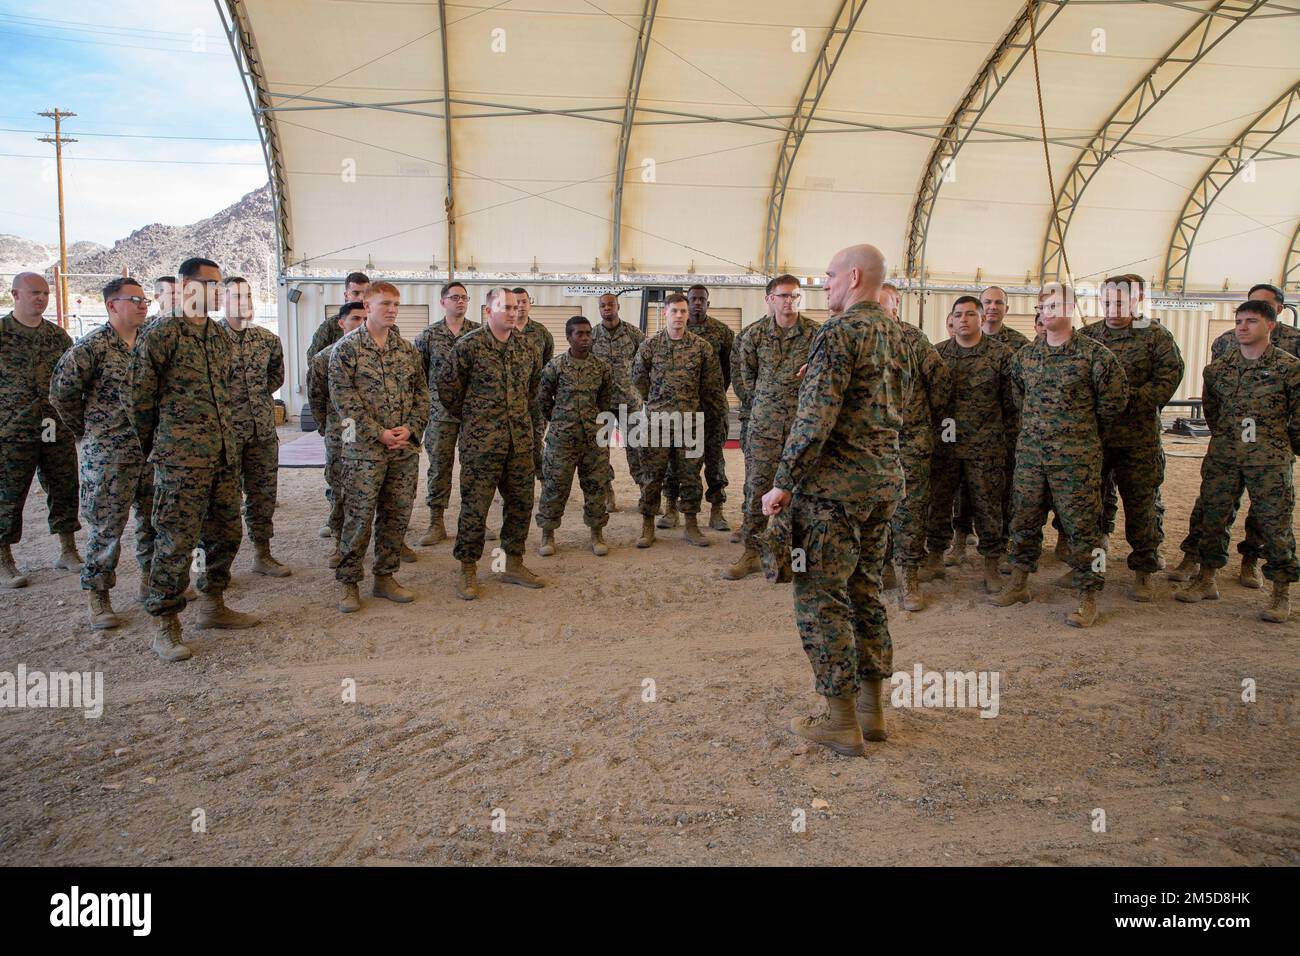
(854, 275)
(31, 297)
(30, 280)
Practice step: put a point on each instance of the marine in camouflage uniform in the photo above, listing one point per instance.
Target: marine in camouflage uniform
(574, 390)
(434, 345)
(327, 333)
(88, 389)
(35, 441)
(329, 426)
(744, 400)
(539, 337)
(618, 348)
(257, 371)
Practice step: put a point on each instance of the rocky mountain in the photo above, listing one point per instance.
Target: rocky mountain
(21, 255)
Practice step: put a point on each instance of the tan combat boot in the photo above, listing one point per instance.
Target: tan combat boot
(871, 711)
(406, 555)
(647, 533)
(669, 519)
(385, 587)
(437, 530)
(349, 598)
(888, 577)
(1186, 570)
(9, 576)
(746, 565)
(1279, 608)
(716, 519)
(264, 563)
(992, 576)
(1202, 588)
(1141, 591)
(102, 617)
(214, 613)
(516, 573)
(611, 503)
(547, 547)
(1085, 615)
(932, 567)
(836, 727)
(736, 537)
(1249, 577)
(692, 533)
(913, 596)
(598, 546)
(69, 560)
(325, 531)
(1016, 592)
(955, 556)
(336, 556)
(467, 583)
(167, 639)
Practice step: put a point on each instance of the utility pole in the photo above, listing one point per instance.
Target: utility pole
(57, 114)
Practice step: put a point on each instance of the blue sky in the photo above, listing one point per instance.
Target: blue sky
(134, 71)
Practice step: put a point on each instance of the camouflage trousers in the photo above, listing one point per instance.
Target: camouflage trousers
(669, 469)
(762, 455)
(1272, 498)
(964, 514)
(842, 622)
(907, 529)
(715, 466)
(440, 445)
(108, 490)
(1134, 474)
(566, 452)
(539, 438)
(1110, 498)
(379, 496)
(1251, 546)
(981, 481)
(633, 454)
(259, 478)
(1073, 489)
(509, 470)
(192, 507)
(55, 465)
(336, 478)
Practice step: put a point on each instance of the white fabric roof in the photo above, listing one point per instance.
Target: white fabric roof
(538, 189)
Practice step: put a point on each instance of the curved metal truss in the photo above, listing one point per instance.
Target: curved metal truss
(827, 57)
(625, 132)
(1266, 127)
(1213, 24)
(1291, 267)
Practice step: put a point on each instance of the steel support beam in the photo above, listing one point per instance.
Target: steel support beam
(625, 134)
(1195, 44)
(1266, 127)
(970, 109)
(827, 57)
(234, 20)
(449, 203)
(1291, 267)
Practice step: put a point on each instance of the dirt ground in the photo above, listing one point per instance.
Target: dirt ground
(526, 709)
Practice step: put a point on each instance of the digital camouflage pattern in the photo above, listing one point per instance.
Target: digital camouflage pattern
(27, 359)
(541, 339)
(1067, 394)
(1132, 458)
(1253, 410)
(841, 463)
(327, 423)
(618, 348)
(768, 359)
(258, 370)
(722, 339)
(327, 333)
(573, 392)
(491, 386)
(1285, 337)
(925, 403)
(677, 376)
(434, 345)
(89, 391)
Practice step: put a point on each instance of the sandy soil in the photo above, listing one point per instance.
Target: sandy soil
(530, 702)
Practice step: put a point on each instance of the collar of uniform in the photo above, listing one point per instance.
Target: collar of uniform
(866, 305)
(800, 327)
(367, 340)
(198, 331)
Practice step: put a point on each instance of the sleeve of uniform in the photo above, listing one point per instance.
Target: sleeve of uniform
(1016, 377)
(68, 386)
(747, 364)
(713, 391)
(1293, 409)
(820, 397)
(607, 395)
(318, 389)
(738, 384)
(422, 346)
(1220, 345)
(1010, 406)
(419, 399)
(938, 379)
(546, 390)
(453, 378)
(343, 393)
(1209, 401)
(318, 339)
(724, 357)
(275, 373)
(641, 369)
(1110, 385)
(1167, 372)
(548, 350)
(152, 352)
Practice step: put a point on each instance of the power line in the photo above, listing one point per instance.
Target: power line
(220, 139)
(108, 159)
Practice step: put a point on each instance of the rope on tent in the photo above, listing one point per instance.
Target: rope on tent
(1042, 125)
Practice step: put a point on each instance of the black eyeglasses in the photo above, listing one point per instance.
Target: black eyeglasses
(134, 299)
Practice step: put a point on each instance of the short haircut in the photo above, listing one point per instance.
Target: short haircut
(1271, 289)
(988, 287)
(673, 298)
(573, 322)
(356, 278)
(349, 307)
(698, 286)
(442, 293)
(232, 280)
(784, 279)
(1257, 307)
(520, 291)
(1138, 281)
(190, 267)
(963, 299)
(612, 295)
(386, 288)
(893, 288)
(118, 284)
(494, 294)
(161, 279)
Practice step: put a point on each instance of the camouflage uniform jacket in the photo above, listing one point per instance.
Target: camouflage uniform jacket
(434, 345)
(1009, 337)
(618, 348)
(681, 375)
(574, 392)
(770, 358)
(1153, 367)
(491, 386)
(89, 390)
(930, 392)
(1286, 337)
(721, 338)
(27, 359)
(743, 396)
(179, 393)
(1259, 399)
(541, 339)
(843, 444)
(981, 402)
(378, 389)
(258, 373)
(318, 397)
(326, 335)
(1067, 395)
